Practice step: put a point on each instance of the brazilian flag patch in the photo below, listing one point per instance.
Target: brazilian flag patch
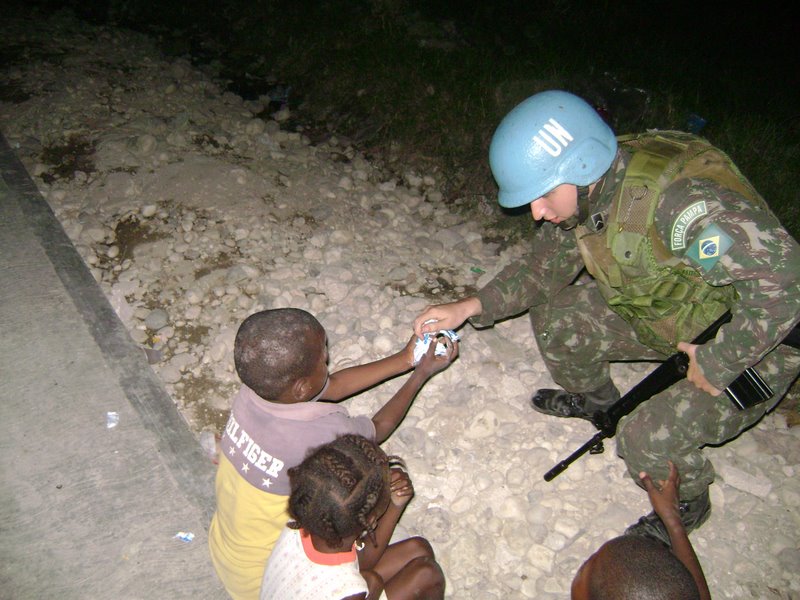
(710, 245)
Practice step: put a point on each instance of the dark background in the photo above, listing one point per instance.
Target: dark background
(424, 83)
(746, 53)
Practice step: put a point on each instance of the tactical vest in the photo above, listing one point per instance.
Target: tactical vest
(663, 297)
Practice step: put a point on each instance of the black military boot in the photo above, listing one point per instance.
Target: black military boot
(694, 513)
(561, 403)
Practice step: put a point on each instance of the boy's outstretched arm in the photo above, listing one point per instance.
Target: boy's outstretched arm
(389, 416)
(349, 381)
(665, 503)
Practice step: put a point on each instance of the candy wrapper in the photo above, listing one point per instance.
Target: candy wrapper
(423, 344)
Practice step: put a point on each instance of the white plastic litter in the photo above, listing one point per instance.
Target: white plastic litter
(185, 536)
(112, 419)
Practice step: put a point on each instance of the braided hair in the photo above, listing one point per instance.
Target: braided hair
(338, 487)
(273, 349)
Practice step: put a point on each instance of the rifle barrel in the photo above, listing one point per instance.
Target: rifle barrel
(596, 439)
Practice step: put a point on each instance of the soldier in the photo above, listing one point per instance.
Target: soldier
(673, 236)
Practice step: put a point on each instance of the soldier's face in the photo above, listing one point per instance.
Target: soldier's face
(558, 204)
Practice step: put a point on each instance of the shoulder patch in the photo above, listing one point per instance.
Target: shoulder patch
(711, 244)
(681, 225)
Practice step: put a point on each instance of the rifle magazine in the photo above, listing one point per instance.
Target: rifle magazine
(748, 390)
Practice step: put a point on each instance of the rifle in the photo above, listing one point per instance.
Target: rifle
(747, 390)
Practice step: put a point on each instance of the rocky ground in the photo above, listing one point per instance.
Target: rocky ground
(194, 208)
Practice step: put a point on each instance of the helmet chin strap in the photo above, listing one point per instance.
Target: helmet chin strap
(583, 210)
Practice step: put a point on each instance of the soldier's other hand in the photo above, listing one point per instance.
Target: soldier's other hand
(695, 372)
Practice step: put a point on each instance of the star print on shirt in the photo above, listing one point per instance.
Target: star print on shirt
(245, 467)
(266, 483)
(231, 450)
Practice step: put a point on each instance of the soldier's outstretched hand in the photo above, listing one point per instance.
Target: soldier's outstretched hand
(452, 315)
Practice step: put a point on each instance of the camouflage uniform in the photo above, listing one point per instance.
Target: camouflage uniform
(578, 334)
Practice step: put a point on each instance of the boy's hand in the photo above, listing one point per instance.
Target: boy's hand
(401, 488)
(664, 499)
(430, 363)
(664, 496)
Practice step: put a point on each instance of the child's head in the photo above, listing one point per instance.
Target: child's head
(276, 349)
(340, 489)
(633, 567)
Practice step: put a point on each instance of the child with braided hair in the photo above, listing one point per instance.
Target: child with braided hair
(345, 503)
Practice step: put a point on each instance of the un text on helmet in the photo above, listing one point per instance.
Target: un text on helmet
(553, 138)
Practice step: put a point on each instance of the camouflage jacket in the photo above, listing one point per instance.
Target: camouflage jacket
(760, 259)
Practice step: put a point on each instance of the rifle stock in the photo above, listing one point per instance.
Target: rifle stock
(748, 389)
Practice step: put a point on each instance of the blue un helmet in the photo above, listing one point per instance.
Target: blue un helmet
(549, 139)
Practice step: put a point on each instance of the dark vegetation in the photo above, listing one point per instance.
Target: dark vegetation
(421, 84)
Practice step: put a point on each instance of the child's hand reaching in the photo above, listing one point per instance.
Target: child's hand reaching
(664, 496)
(389, 416)
(430, 363)
(401, 488)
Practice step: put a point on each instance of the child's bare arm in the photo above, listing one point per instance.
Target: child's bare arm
(349, 381)
(664, 499)
(389, 416)
(374, 584)
(402, 491)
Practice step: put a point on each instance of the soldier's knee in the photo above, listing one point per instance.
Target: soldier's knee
(632, 435)
(641, 445)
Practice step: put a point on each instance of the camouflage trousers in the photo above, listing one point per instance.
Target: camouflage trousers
(578, 336)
